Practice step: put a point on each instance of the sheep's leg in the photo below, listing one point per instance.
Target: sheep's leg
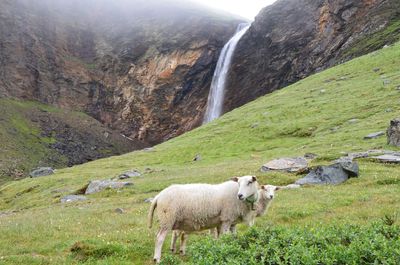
(233, 229)
(175, 235)
(214, 232)
(224, 228)
(162, 233)
(182, 249)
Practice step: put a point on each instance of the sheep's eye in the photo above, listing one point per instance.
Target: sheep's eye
(248, 184)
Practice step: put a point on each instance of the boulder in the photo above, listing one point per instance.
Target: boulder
(149, 200)
(293, 164)
(393, 132)
(73, 198)
(374, 135)
(119, 210)
(41, 171)
(332, 174)
(130, 174)
(388, 158)
(197, 157)
(99, 185)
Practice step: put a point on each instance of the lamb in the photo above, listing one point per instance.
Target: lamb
(195, 207)
(265, 196)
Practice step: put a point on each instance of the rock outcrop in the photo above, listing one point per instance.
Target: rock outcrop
(292, 39)
(140, 67)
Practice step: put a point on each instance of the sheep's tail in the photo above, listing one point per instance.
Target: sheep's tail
(151, 212)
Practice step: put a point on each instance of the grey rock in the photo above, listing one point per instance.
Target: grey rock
(386, 82)
(149, 200)
(73, 198)
(119, 210)
(254, 125)
(292, 186)
(332, 174)
(99, 185)
(148, 149)
(352, 121)
(130, 174)
(41, 171)
(310, 156)
(374, 135)
(393, 132)
(197, 157)
(293, 164)
(388, 158)
(376, 70)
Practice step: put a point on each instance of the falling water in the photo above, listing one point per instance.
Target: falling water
(216, 96)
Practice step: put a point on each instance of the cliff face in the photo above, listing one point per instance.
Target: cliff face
(142, 68)
(292, 39)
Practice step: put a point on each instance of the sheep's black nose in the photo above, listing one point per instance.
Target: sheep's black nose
(240, 196)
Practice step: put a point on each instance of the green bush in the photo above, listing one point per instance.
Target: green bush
(378, 243)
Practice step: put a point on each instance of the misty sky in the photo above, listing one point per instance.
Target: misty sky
(244, 8)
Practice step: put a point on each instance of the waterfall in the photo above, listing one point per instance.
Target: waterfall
(215, 100)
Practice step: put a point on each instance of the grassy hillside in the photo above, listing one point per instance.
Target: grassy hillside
(310, 116)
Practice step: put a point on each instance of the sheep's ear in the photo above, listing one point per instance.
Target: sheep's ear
(263, 187)
(254, 178)
(235, 179)
(278, 187)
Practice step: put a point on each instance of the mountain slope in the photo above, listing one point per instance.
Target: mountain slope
(311, 115)
(34, 135)
(136, 66)
(292, 39)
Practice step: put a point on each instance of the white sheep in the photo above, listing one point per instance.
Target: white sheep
(195, 207)
(265, 196)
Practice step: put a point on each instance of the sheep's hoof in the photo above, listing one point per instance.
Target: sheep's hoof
(156, 260)
(182, 252)
(173, 250)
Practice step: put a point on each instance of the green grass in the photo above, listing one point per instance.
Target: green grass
(310, 116)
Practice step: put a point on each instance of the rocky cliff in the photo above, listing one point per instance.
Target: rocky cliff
(292, 39)
(142, 68)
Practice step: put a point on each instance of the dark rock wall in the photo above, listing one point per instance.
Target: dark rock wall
(292, 39)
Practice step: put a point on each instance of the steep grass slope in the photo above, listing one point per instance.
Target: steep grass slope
(34, 134)
(310, 116)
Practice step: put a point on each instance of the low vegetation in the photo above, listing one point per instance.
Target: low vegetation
(311, 116)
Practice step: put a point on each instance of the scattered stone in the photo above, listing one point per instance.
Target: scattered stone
(386, 82)
(119, 210)
(255, 125)
(388, 110)
(352, 121)
(335, 129)
(41, 172)
(374, 135)
(376, 70)
(149, 200)
(130, 174)
(393, 132)
(291, 186)
(322, 91)
(73, 198)
(310, 156)
(332, 174)
(386, 46)
(294, 164)
(388, 158)
(148, 149)
(99, 185)
(197, 157)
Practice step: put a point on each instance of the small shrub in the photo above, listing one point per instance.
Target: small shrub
(84, 250)
(378, 243)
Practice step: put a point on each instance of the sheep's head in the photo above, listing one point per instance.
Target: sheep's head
(269, 191)
(248, 187)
